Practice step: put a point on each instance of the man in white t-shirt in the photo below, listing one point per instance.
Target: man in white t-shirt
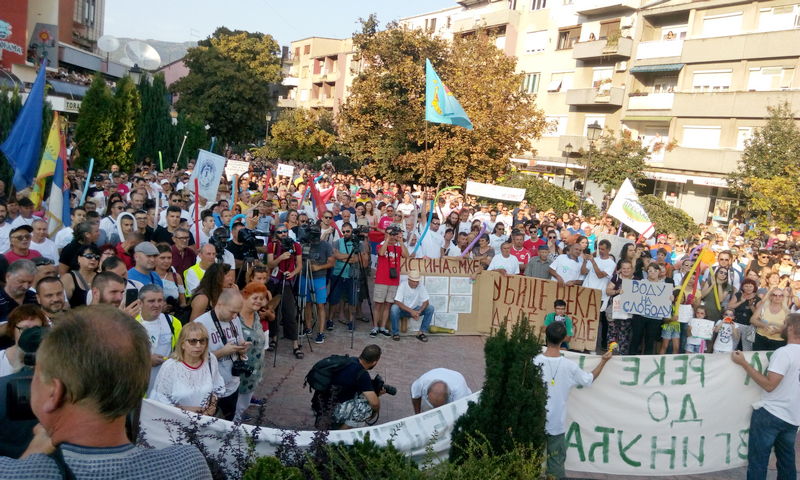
(438, 387)
(41, 243)
(505, 262)
(566, 268)
(431, 244)
(598, 271)
(162, 329)
(411, 300)
(227, 343)
(560, 376)
(776, 417)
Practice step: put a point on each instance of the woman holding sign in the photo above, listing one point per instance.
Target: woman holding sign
(619, 322)
(646, 328)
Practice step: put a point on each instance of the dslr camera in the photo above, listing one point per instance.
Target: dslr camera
(378, 383)
(393, 229)
(240, 367)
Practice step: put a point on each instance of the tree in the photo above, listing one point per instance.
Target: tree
(511, 411)
(615, 158)
(228, 86)
(154, 127)
(301, 134)
(543, 195)
(196, 138)
(769, 169)
(668, 219)
(382, 126)
(95, 130)
(127, 109)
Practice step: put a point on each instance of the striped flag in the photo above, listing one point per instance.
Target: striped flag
(47, 167)
(58, 203)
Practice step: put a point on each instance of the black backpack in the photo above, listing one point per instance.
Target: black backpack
(320, 376)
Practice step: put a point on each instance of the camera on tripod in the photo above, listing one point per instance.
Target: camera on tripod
(220, 240)
(361, 232)
(248, 238)
(309, 233)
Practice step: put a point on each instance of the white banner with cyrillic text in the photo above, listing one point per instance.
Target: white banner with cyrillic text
(662, 415)
(486, 190)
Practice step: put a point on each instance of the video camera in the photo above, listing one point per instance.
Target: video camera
(378, 383)
(220, 241)
(361, 231)
(18, 393)
(309, 234)
(249, 239)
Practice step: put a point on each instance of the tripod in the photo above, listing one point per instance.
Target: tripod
(306, 288)
(356, 275)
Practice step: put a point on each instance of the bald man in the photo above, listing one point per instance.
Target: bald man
(438, 387)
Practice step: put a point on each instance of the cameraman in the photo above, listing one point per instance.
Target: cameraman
(320, 259)
(284, 260)
(387, 277)
(346, 273)
(18, 432)
(353, 399)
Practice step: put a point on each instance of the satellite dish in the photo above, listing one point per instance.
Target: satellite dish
(143, 55)
(126, 61)
(108, 43)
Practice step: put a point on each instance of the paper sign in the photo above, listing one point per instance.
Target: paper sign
(460, 286)
(460, 304)
(508, 194)
(236, 167)
(646, 298)
(436, 285)
(685, 313)
(702, 328)
(208, 171)
(617, 313)
(285, 170)
(616, 243)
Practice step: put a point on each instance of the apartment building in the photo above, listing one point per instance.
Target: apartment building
(696, 75)
(320, 73)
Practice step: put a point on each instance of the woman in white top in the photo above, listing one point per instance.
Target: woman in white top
(498, 236)
(21, 318)
(190, 378)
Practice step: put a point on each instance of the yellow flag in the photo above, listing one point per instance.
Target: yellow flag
(47, 167)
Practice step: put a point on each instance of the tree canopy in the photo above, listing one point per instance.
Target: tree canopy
(228, 86)
(616, 156)
(155, 131)
(94, 133)
(301, 134)
(382, 126)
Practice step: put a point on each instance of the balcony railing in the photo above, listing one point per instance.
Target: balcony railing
(651, 101)
(659, 49)
(601, 48)
(595, 96)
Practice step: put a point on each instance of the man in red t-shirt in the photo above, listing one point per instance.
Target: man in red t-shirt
(20, 239)
(387, 278)
(284, 265)
(518, 250)
(534, 242)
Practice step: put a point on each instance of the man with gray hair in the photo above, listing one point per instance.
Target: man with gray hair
(41, 243)
(438, 387)
(162, 329)
(19, 280)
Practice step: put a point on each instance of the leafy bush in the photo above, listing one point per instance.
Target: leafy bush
(271, 467)
(668, 219)
(543, 195)
(480, 461)
(363, 460)
(511, 411)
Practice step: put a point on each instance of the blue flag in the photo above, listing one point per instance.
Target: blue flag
(441, 105)
(23, 147)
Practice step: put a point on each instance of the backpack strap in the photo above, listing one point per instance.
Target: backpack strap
(63, 468)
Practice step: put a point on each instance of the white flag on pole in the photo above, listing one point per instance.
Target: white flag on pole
(627, 209)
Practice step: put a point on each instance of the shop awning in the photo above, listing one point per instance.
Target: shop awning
(68, 89)
(682, 178)
(664, 67)
(646, 118)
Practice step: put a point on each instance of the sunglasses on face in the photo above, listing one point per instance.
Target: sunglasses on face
(22, 237)
(195, 341)
(91, 256)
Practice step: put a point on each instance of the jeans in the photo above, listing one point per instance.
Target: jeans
(766, 431)
(556, 456)
(395, 313)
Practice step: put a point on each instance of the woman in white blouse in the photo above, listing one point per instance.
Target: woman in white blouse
(190, 378)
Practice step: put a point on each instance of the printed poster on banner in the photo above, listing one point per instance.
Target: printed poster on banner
(236, 167)
(494, 191)
(285, 170)
(646, 298)
(627, 209)
(616, 242)
(208, 171)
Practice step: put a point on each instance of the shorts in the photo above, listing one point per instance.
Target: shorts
(384, 293)
(343, 290)
(668, 334)
(319, 290)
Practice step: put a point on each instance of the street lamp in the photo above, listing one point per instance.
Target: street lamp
(567, 153)
(592, 132)
(269, 119)
(136, 73)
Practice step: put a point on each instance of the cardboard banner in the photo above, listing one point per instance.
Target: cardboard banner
(445, 266)
(650, 299)
(616, 242)
(236, 167)
(508, 194)
(662, 415)
(627, 209)
(285, 170)
(208, 171)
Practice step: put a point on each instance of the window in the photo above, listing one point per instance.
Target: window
(556, 125)
(770, 78)
(567, 37)
(590, 119)
(674, 32)
(296, 52)
(306, 49)
(535, 42)
(304, 72)
(665, 84)
(711, 81)
(721, 25)
(779, 18)
(743, 134)
(601, 75)
(609, 28)
(538, 4)
(530, 84)
(430, 25)
(500, 42)
(701, 136)
(560, 82)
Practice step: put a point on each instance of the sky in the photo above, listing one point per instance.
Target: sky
(286, 20)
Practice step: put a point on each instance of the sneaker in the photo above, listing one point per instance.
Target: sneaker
(329, 325)
(307, 331)
(350, 326)
(320, 338)
(373, 333)
(385, 332)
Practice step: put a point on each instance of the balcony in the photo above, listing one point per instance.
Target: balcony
(731, 104)
(607, 7)
(740, 47)
(290, 81)
(594, 96)
(287, 102)
(659, 49)
(578, 142)
(711, 160)
(651, 101)
(600, 49)
(485, 18)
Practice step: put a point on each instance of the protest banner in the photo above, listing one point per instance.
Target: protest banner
(236, 167)
(208, 171)
(508, 194)
(627, 209)
(616, 242)
(662, 415)
(656, 415)
(650, 299)
(285, 170)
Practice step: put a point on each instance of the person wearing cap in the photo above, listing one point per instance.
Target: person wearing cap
(20, 239)
(26, 216)
(411, 300)
(145, 256)
(539, 266)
